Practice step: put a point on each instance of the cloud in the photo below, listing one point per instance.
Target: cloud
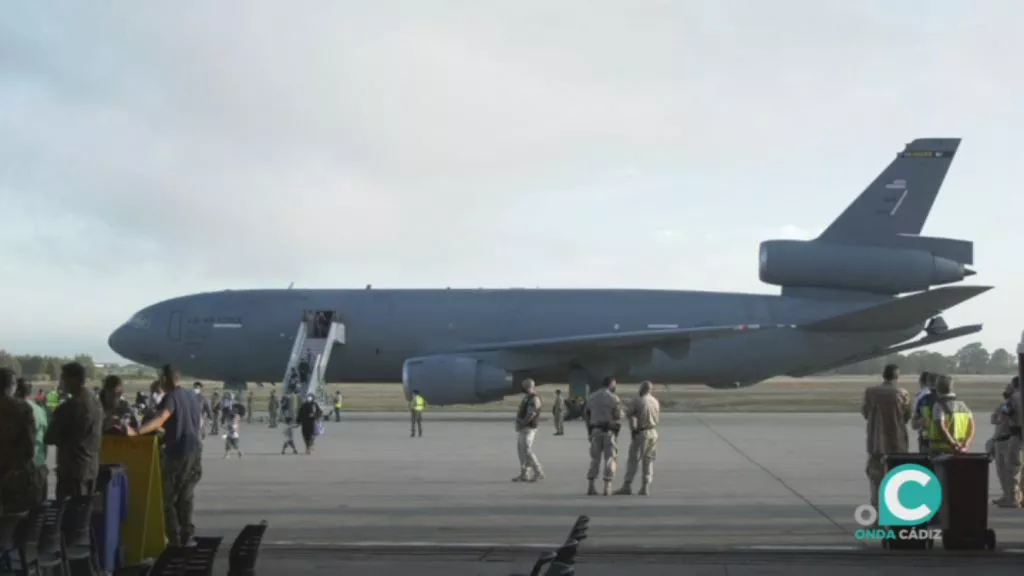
(411, 143)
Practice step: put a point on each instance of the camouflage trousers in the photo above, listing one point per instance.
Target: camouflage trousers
(524, 447)
(559, 423)
(604, 451)
(20, 489)
(1008, 468)
(643, 449)
(181, 476)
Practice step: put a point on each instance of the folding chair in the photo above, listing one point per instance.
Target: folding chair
(173, 561)
(246, 549)
(565, 560)
(579, 529)
(202, 556)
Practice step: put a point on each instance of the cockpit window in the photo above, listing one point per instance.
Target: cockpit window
(139, 321)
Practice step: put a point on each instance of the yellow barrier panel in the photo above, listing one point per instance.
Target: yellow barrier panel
(142, 533)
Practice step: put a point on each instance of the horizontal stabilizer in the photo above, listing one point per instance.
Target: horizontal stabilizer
(655, 338)
(927, 340)
(899, 313)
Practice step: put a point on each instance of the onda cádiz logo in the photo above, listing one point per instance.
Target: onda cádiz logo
(909, 496)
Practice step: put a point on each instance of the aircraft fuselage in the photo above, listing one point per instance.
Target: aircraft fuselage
(246, 336)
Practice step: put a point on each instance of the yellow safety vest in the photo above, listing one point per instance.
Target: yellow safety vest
(958, 419)
(52, 400)
(337, 403)
(418, 403)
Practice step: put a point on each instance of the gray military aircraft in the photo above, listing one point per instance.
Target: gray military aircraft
(839, 304)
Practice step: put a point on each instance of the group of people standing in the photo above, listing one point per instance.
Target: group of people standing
(604, 414)
(944, 425)
(75, 428)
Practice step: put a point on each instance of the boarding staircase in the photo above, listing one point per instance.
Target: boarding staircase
(317, 351)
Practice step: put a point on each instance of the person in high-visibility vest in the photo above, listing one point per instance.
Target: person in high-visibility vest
(951, 426)
(923, 410)
(52, 400)
(416, 405)
(337, 406)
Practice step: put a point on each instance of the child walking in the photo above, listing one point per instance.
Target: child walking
(289, 436)
(232, 437)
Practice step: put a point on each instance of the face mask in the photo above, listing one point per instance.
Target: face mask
(158, 397)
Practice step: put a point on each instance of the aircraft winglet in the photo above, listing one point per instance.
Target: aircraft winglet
(899, 313)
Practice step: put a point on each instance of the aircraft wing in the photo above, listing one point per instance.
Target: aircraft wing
(925, 341)
(898, 313)
(663, 338)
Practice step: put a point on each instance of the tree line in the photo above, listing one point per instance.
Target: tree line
(42, 368)
(971, 359)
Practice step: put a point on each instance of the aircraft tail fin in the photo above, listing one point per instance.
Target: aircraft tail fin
(874, 248)
(900, 198)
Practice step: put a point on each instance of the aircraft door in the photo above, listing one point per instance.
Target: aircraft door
(174, 326)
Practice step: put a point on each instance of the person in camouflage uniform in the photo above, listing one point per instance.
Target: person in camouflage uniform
(272, 408)
(18, 479)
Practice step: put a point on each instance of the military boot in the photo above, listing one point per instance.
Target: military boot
(607, 487)
(645, 488)
(591, 491)
(626, 490)
(538, 474)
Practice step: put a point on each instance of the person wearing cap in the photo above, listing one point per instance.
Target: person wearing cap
(603, 414)
(951, 428)
(643, 414)
(527, 420)
(558, 413)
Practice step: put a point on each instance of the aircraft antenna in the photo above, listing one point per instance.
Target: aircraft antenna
(290, 285)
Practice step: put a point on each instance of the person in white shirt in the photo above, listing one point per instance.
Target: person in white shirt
(232, 438)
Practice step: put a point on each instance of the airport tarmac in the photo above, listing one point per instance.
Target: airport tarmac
(747, 485)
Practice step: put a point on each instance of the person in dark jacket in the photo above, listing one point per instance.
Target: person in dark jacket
(309, 415)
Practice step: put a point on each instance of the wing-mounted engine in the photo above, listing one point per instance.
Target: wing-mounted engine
(446, 379)
(901, 264)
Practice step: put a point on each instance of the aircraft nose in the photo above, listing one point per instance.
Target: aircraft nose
(116, 341)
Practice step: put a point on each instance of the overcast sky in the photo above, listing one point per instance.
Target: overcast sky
(149, 150)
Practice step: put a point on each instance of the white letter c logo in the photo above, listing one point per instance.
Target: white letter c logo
(892, 495)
